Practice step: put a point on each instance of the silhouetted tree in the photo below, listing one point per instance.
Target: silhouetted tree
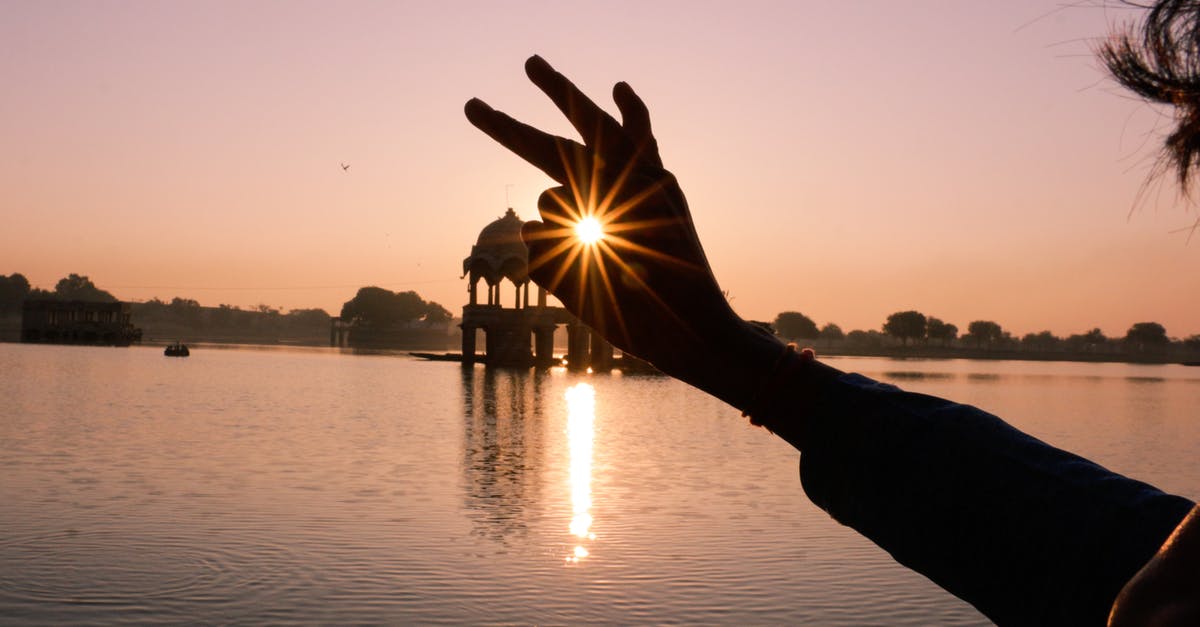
(865, 339)
(79, 287)
(376, 306)
(831, 331)
(14, 289)
(229, 322)
(223, 315)
(185, 311)
(984, 332)
(312, 320)
(1086, 342)
(793, 324)
(1146, 337)
(906, 325)
(1192, 343)
(1044, 341)
(306, 316)
(436, 314)
(935, 329)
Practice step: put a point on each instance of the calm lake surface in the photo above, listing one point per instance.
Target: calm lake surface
(316, 486)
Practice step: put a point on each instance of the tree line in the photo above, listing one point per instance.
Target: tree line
(185, 318)
(910, 328)
(377, 308)
(15, 290)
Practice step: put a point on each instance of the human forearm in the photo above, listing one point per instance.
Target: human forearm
(734, 365)
(1027, 533)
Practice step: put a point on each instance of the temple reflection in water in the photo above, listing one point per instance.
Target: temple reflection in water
(503, 435)
(519, 437)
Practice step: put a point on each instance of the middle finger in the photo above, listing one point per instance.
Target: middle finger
(592, 122)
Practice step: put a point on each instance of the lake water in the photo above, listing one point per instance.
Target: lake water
(316, 486)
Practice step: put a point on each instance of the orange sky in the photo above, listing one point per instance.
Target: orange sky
(847, 160)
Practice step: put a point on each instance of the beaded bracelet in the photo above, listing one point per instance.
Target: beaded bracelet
(806, 355)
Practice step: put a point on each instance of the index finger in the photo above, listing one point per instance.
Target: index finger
(548, 153)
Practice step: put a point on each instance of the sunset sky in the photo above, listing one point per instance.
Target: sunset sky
(844, 159)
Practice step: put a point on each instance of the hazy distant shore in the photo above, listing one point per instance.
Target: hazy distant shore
(10, 331)
(922, 352)
(918, 353)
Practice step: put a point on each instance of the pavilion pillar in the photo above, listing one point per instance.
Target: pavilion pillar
(492, 344)
(577, 346)
(468, 345)
(602, 353)
(543, 346)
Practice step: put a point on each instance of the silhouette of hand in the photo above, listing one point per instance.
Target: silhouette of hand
(646, 285)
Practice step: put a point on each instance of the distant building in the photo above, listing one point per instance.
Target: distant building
(78, 322)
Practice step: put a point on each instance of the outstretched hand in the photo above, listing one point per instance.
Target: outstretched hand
(645, 285)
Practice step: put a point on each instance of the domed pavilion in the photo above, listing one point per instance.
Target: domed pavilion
(499, 256)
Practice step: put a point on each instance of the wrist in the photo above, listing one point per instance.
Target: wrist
(740, 359)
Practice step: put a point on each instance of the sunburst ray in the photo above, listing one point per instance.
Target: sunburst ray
(549, 255)
(556, 280)
(612, 295)
(621, 242)
(633, 275)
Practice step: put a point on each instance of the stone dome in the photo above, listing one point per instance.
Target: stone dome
(499, 253)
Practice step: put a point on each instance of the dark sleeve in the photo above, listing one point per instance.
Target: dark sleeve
(1027, 533)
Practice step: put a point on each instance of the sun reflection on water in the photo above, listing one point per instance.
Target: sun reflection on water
(581, 417)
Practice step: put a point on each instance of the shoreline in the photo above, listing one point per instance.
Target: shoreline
(919, 352)
(898, 353)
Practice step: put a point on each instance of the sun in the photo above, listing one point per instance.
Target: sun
(589, 230)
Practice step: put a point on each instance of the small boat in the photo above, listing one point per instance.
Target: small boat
(438, 356)
(178, 349)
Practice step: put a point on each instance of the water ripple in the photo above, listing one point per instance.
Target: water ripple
(115, 568)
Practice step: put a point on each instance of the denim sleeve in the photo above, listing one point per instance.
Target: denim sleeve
(1027, 533)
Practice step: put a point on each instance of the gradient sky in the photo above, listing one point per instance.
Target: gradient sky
(844, 159)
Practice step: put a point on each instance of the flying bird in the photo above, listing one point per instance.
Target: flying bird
(345, 167)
